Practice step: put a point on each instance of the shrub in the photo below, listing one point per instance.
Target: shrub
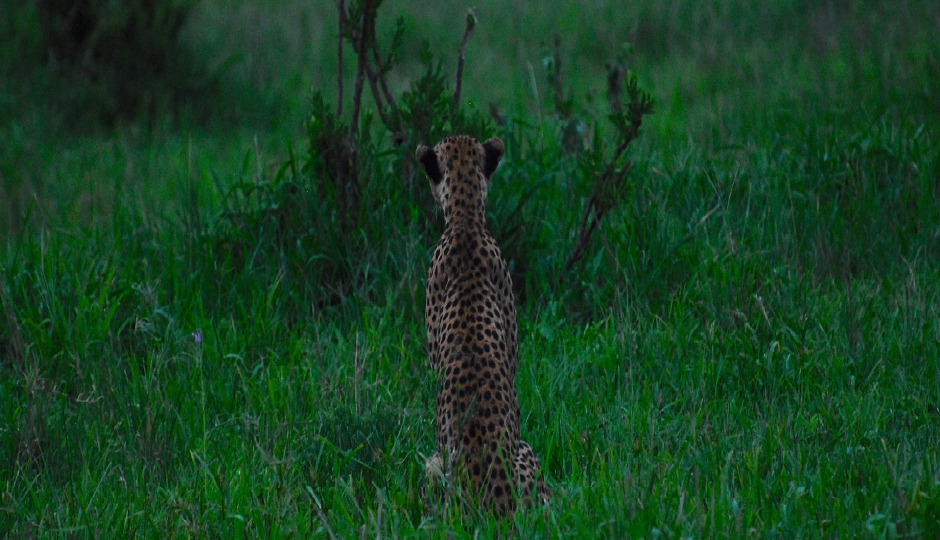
(118, 60)
(355, 203)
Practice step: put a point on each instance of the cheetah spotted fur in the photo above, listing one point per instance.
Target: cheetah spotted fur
(470, 315)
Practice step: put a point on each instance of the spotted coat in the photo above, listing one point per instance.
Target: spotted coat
(470, 315)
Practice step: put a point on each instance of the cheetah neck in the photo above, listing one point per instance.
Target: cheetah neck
(464, 232)
(463, 215)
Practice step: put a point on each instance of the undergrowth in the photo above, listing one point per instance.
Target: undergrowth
(223, 345)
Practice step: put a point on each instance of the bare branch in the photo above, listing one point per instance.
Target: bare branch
(364, 39)
(361, 61)
(347, 174)
(381, 79)
(471, 22)
(599, 202)
(373, 85)
(339, 58)
(556, 80)
(584, 233)
(377, 82)
(595, 209)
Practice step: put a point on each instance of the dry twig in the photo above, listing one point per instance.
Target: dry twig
(341, 10)
(607, 183)
(361, 61)
(471, 22)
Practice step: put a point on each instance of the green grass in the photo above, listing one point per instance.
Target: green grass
(750, 348)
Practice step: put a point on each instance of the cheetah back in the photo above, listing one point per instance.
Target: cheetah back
(471, 326)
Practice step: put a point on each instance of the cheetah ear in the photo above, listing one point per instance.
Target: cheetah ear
(493, 150)
(428, 160)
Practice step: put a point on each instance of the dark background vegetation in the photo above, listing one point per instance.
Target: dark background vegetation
(748, 344)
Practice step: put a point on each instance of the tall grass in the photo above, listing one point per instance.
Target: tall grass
(750, 348)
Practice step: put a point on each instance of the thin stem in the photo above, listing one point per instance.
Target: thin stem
(360, 63)
(381, 78)
(471, 22)
(339, 58)
(373, 84)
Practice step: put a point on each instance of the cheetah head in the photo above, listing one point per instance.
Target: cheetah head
(460, 159)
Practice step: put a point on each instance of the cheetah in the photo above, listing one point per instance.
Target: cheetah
(470, 315)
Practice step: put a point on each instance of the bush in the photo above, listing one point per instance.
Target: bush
(118, 60)
(355, 202)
